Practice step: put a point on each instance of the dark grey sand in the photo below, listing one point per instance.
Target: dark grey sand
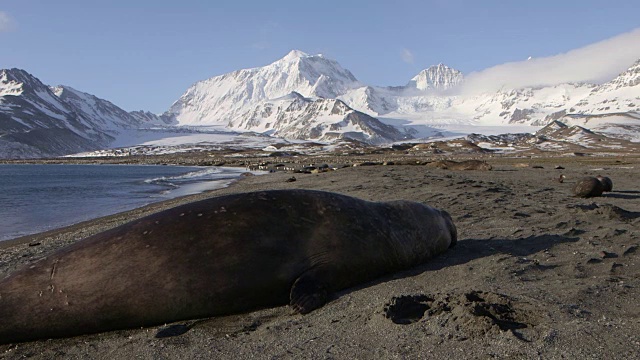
(537, 273)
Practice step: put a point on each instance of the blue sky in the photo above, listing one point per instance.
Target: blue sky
(145, 54)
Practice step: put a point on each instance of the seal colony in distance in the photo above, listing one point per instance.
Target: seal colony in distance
(218, 256)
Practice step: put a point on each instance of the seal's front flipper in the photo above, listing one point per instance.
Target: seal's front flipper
(307, 294)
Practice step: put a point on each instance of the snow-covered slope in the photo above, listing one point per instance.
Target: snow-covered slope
(39, 121)
(559, 137)
(621, 94)
(530, 106)
(373, 100)
(296, 117)
(35, 122)
(541, 106)
(434, 97)
(526, 106)
(438, 77)
(99, 114)
(311, 97)
(617, 125)
(150, 119)
(27, 103)
(221, 99)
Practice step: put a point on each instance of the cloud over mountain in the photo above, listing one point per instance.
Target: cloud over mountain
(6, 23)
(595, 63)
(407, 56)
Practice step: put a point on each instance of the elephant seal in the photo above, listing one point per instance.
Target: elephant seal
(588, 187)
(607, 184)
(222, 255)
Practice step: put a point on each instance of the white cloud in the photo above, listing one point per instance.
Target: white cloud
(407, 56)
(595, 63)
(267, 32)
(6, 23)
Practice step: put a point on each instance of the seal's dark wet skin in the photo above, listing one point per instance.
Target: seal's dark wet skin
(227, 255)
(588, 187)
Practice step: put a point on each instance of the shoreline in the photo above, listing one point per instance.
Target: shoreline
(558, 268)
(117, 218)
(158, 206)
(160, 186)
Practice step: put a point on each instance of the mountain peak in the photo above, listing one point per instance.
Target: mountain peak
(15, 81)
(440, 77)
(60, 89)
(295, 54)
(221, 98)
(439, 66)
(8, 83)
(13, 73)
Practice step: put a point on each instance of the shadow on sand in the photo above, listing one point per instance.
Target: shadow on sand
(470, 249)
(464, 252)
(622, 195)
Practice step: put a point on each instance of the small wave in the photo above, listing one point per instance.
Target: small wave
(194, 181)
(199, 175)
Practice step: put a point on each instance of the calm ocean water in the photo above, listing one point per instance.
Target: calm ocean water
(35, 198)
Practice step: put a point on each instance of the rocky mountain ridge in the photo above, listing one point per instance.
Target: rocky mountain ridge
(41, 121)
(434, 96)
(557, 137)
(310, 97)
(297, 117)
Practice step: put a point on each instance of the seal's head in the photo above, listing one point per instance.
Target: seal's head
(606, 182)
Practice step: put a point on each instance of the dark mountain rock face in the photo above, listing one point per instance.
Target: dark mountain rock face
(39, 121)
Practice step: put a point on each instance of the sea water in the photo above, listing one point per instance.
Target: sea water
(36, 198)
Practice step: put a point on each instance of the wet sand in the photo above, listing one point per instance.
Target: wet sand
(537, 273)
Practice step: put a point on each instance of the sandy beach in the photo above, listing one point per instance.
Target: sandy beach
(536, 274)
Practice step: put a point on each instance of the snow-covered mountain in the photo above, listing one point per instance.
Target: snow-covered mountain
(558, 137)
(616, 125)
(27, 103)
(221, 99)
(99, 114)
(150, 119)
(295, 117)
(535, 106)
(433, 97)
(40, 121)
(438, 77)
(622, 94)
(311, 97)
